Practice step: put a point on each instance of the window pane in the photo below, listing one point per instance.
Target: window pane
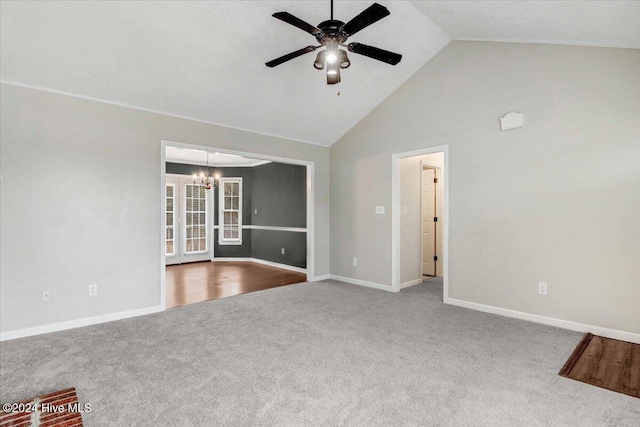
(169, 190)
(169, 249)
(235, 188)
(235, 203)
(189, 190)
(169, 219)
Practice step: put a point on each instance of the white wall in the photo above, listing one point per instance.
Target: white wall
(411, 213)
(556, 201)
(80, 202)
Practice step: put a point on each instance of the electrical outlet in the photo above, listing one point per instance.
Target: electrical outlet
(93, 289)
(46, 295)
(379, 210)
(255, 211)
(355, 261)
(282, 251)
(542, 288)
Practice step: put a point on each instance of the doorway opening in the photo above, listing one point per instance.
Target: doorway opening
(420, 218)
(431, 214)
(232, 223)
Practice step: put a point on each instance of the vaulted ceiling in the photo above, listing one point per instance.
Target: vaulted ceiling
(205, 60)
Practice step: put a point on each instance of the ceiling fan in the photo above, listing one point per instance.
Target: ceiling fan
(333, 34)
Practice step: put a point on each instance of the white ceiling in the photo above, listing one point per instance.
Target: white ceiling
(198, 157)
(578, 22)
(205, 60)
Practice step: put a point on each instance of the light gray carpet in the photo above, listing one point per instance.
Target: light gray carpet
(316, 354)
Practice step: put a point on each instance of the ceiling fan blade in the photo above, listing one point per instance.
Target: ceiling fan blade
(297, 22)
(375, 53)
(290, 56)
(372, 14)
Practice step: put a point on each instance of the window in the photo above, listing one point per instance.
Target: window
(230, 211)
(195, 224)
(169, 221)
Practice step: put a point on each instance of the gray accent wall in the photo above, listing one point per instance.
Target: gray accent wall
(267, 245)
(279, 192)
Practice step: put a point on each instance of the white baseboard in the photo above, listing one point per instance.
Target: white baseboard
(323, 277)
(261, 261)
(560, 323)
(78, 323)
(361, 282)
(410, 283)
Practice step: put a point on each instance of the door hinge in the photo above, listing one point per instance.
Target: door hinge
(435, 180)
(435, 258)
(435, 219)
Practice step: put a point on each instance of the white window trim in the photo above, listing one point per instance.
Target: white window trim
(173, 226)
(221, 240)
(184, 222)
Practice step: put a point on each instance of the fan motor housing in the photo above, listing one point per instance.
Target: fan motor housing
(331, 29)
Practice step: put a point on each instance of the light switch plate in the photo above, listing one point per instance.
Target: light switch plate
(379, 210)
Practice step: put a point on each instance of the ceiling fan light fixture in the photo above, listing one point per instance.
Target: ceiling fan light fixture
(331, 35)
(320, 60)
(333, 74)
(343, 59)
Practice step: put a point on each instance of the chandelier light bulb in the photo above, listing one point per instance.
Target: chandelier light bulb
(332, 58)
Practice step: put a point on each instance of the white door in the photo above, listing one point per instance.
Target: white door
(188, 231)
(428, 223)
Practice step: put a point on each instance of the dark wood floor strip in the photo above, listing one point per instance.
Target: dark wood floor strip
(605, 363)
(571, 362)
(204, 281)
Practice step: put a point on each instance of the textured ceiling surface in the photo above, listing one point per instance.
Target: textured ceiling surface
(205, 60)
(579, 22)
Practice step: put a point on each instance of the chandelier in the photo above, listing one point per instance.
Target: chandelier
(206, 179)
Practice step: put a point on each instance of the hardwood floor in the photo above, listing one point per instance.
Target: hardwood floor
(606, 363)
(203, 281)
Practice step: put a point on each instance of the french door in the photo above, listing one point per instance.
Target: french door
(188, 231)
